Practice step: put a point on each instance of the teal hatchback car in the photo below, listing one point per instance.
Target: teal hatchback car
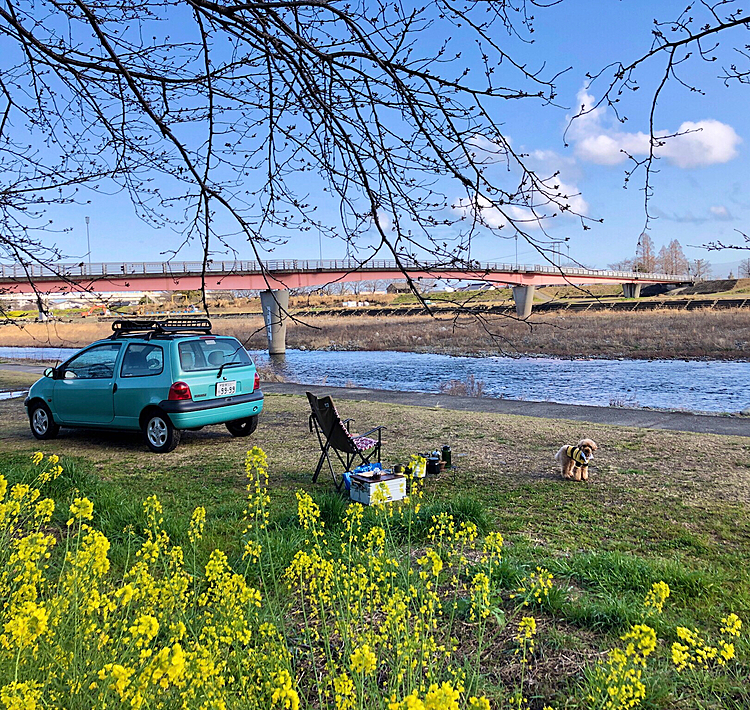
(161, 377)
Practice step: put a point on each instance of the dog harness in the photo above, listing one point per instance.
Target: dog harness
(577, 455)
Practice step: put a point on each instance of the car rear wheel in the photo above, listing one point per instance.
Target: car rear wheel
(161, 437)
(42, 424)
(243, 427)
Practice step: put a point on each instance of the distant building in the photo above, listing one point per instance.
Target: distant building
(478, 286)
(443, 287)
(398, 287)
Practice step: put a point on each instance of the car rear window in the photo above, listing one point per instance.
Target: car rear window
(211, 354)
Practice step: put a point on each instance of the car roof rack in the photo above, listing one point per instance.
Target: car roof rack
(168, 326)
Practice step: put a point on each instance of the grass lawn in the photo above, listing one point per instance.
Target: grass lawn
(658, 506)
(13, 380)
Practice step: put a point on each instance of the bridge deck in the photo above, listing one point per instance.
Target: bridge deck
(291, 273)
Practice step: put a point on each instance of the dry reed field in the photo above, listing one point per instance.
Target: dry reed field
(721, 335)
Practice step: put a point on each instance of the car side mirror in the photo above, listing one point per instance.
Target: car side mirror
(50, 372)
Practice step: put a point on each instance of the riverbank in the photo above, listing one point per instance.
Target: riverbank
(16, 375)
(656, 507)
(667, 334)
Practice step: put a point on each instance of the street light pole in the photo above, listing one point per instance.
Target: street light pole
(88, 239)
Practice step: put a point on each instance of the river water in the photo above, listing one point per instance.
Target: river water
(710, 386)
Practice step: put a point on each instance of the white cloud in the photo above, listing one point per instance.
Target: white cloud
(384, 220)
(486, 151)
(541, 202)
(721, 212)
(701, 143)
(490, 216)
(531, 217)
(693, 144)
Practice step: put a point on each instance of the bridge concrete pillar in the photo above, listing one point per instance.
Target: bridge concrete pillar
(42, 308)
(631, 290)
(524, 298)
(275, 305)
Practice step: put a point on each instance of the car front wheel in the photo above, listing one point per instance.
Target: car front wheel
(161, 437)
(42, 424)
(243, 427)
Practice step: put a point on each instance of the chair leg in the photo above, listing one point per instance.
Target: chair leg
(321, 461)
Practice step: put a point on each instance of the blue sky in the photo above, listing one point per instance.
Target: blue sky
(702, 191)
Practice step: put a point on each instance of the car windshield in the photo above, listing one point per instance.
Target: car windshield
(211, 353)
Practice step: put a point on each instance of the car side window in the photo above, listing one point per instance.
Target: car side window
(142, 360)
(97, 363)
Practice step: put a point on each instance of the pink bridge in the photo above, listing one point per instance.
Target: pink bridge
(290, 273)
(274, 279)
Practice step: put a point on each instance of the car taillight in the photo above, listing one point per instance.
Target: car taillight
(179, 390)
(256, 382)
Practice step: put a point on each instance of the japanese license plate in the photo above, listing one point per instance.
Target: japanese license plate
(224, 389)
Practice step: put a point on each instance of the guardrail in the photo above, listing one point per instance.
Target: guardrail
(18, 272)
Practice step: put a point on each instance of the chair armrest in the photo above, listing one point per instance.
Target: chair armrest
(345, 422)
(374, 429)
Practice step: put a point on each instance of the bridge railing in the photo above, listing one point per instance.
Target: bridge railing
(18, 272)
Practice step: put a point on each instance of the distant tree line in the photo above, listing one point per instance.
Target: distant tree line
(670, 259)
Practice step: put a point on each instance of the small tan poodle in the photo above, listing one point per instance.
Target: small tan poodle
(574, 460)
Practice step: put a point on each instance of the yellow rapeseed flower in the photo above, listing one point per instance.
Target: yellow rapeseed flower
(525, 636)
(37, 458)
(492, 548)
(480, 596)
(284, 695)
(536, 586)
(43, 511)
(170, 666)
(656, 596)
(431, 559)
(344, 694)
(144, 629)
(195, 531)
(21, 696)
(363, 660)
(27, 623)
(125, 594)
(81, 509)
(731, 625)
(444, 697)
(120, 677)
(640, 642)
(726, 651)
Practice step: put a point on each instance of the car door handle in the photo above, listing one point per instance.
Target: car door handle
(114, 388)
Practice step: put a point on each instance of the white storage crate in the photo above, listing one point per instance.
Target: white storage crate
(362, 488)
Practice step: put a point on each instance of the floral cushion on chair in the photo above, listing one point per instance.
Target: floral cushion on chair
(364, 442)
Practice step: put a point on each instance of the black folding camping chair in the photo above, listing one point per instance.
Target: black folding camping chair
(334, 436)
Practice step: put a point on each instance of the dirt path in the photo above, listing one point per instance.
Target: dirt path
(640, 418)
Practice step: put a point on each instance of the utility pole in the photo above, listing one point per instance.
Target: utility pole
(88, 239)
